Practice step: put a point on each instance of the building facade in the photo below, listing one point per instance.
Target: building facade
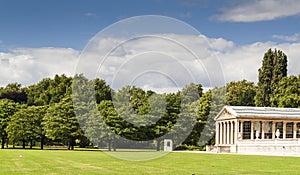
(241, 129)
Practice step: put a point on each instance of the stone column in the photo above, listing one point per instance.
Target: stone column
(284, 130)
(236, 126)
(273, 129)
(242, 127)
(252, 130)
(217, 133)
(228, 133)
(221, 133)
(231, 132)
(295, 130)
(262, 130)
(224, 132)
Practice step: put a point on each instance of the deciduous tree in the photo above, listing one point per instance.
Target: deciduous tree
(26, 125)
(60, 123)
(240, 93)
(7, 110)
(287, 93)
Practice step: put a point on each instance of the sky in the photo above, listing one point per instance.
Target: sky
(39, 39)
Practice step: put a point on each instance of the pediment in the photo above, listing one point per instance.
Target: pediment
(225, 114)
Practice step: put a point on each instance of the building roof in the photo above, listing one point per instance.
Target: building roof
(260, 112)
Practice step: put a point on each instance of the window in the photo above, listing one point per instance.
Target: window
(268, 130)
(246, 130)
(279, 125)
(257, 129)
(289, 130)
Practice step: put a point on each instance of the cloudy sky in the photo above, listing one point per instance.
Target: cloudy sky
(42, 38)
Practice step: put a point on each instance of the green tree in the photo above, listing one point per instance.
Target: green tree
(38, 94)
(25, 125)
(15, 92)
(240, 93)
(211, 104)
(274, 68)
(190, 96)
(60, 123)
(191, 93)
(174, 120)
(102, 90)
(87, 94)
(49, 91)
(112, 125)
(287, 93)
(7, 110)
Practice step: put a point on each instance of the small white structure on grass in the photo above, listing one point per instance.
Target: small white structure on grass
(258, 130)
(168, 145)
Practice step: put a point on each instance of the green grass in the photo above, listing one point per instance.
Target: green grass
(96, 162)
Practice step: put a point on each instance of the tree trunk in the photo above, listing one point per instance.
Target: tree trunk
(109, 145)
(42, 142)
(157, 145)
(23, 145)
(69, 145)
(73, 143)
(31, 143)
(2, 143)
(114, 145)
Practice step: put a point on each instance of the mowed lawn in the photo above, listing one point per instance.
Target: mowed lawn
(96, 162)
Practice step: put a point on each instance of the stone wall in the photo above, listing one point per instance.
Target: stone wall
(269, 149)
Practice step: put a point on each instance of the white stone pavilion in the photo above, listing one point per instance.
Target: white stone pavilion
(241, 129)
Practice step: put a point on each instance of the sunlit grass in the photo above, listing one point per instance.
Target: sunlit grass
(96, 162)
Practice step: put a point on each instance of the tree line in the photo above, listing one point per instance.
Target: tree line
(54, 111)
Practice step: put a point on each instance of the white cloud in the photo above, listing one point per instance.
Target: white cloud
(243, 62)
(30, 65)
(152, 62)
(89, 14)
(260, 10)
(292, 38)
(160, 64)
(166, 61)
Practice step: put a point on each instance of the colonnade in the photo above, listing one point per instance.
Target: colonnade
(226, 132)
(229, 131)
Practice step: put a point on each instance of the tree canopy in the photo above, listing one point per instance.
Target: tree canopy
(274, 68)
(240, 93)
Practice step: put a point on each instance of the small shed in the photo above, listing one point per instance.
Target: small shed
(168, 145)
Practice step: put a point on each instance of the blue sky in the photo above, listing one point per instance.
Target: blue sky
(56, 23)
(41, 38)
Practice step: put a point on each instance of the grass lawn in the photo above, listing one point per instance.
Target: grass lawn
(96, 162)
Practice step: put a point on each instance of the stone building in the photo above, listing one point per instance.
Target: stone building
(241, 129)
